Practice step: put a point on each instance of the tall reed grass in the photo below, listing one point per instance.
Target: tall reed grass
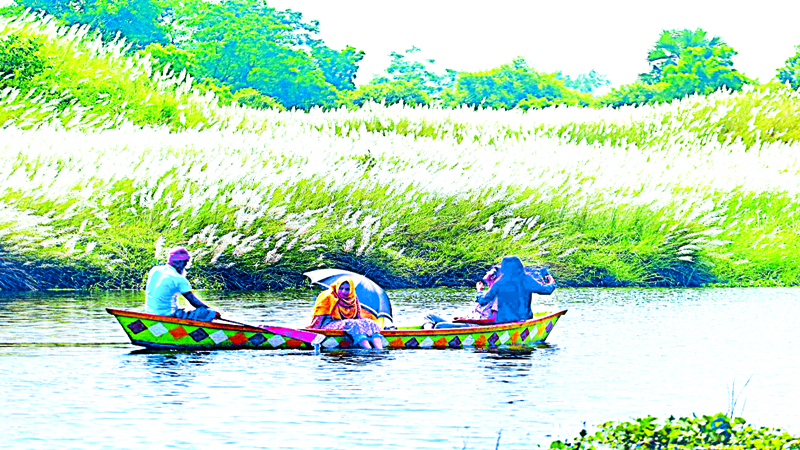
(93, 193)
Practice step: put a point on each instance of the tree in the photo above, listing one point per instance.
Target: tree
(406, 80)
(682, 62)
(403, 68)
(247, 44)
(702, 71)
(585, 82)
(690, 52)
(138, 20)
(790, 72)
(234, 44)
(338, 67)
(510, 86)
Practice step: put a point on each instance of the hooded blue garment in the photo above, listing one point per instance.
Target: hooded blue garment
(513, 291)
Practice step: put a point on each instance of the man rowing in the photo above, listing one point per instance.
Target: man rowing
(166, 282)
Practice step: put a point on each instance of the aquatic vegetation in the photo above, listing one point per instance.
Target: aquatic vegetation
(664, 195)
(718, 432)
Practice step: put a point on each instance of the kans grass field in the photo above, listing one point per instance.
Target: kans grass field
(105, 163)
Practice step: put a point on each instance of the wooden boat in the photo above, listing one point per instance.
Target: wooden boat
(160, 332)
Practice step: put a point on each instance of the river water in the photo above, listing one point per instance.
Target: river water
(69, 379)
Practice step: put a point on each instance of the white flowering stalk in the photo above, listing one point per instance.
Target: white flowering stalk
(266, 186)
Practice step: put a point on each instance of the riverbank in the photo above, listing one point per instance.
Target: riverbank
(94, 189)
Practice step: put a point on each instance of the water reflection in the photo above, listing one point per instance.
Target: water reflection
(165, 367)
(356, 357)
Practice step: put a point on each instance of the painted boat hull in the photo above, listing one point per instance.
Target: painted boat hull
(160, 332)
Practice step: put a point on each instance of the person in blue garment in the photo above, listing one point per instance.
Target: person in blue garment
(166, 282)
(514, 288)
(509, 301)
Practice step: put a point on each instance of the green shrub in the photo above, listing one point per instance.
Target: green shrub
(20, 60)
(256, 99)
(388, 93)
(717, 431)
(790, 72)
(509, 86)
(635, 94)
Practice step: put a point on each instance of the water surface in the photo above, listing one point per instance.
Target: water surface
(71, 380)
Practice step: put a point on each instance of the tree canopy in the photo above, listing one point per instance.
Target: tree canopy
(139, 21)
(682, 62)
(253, 54)
(511, 86)
(242, 44)
(790, 72)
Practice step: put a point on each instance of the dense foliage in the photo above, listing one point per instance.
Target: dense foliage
(140, 21)
(515, 85)
(247, 44)
(683, 62)
(406, 81)
(586, 83)
(790, 72)
(233, 45)
(20, 60)
(238, 44)
(717, 432)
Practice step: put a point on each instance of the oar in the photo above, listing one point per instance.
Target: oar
(308, 337)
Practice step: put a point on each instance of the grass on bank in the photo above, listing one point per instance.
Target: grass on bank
(93, 193)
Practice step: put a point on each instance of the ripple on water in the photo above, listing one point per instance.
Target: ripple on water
(71, 380)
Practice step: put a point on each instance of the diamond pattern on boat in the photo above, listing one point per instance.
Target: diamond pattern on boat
(469, 340)
(158, 329)
(137, 327)
(219, 337)
(238, 338)
(428, 342)
(524, 335)
(493, 339)
(276, 341)
(455, 342)
(178, 332)
(505, 338)
(330, 343)
(412, 343)
(198, 334)
(257, 339)
(549, 326)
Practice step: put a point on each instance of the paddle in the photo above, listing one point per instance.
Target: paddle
(308, 337)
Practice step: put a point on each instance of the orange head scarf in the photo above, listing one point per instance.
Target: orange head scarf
(339, 308)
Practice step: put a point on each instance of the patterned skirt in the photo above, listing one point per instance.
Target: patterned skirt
(357, 329)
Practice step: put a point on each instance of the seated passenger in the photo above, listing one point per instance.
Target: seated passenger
(166, 282)
(338, 309)
(513, 290)
(483, 313)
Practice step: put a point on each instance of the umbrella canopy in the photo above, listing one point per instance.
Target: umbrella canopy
(371, 296)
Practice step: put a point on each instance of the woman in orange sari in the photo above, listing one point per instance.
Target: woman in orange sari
(338, 309)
